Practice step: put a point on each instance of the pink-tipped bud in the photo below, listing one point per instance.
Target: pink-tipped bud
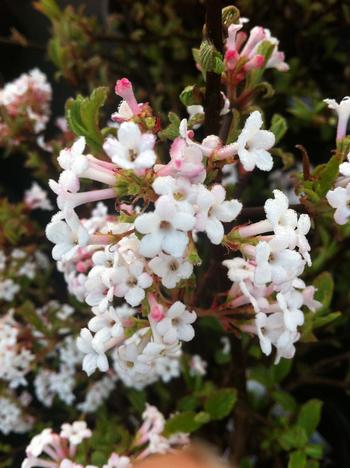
(231, 58)
(81, 267)
(157, 311)
(123, 88)
(255, 62)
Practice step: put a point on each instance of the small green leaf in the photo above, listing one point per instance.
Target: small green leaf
(82, 115)
(182, 422)
(187, 403)
(297, 460)
(314, 451)
(309, 416)
(327, 176)
(286, 400)
(202, 417)
(137, 399)
(221, 402)
(324, 285)
(278, 127)
(295, 437)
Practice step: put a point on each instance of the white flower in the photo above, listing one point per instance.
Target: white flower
(343, 111)
(283, 219)
(292, 315)
(36, 198)
(344, 167)
(239, 269)
(132, 149)
(276, 263)
(253, 143)
(170, 269)
(74, 163)
(8, 289)
(339, 198)
(118, 461)
(181, 189)
(197, 365)
(66, 237)
(94, 359)
(165, 228)
(177, 324)
(76, 432)
(213, 210)
(130, 282)
(272, 331)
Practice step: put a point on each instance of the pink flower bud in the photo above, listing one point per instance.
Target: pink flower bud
(123, 88)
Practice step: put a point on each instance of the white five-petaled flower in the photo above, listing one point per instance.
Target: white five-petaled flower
(66, 235)
(276, 263)
(253, 144)
(339, 198)
(176, 325)
(165, 228)
(131, 281)
(132, 149)
(94, 351)
(214, 210)
(170, 269)
(76, 432)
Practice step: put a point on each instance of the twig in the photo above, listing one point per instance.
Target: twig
(212, 101)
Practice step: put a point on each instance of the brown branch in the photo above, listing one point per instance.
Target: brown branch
(212, 101)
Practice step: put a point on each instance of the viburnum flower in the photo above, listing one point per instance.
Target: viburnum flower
(67, 237)
(93, 359)
(176, 324)
(131, 281)
(36, 197)
(276, 263)
(344, 167)
(165, 228)
(213, 210)
(339, 198)
(282, 218)
(253, 144)
(186, 158)
(76, 432)
(171, 270)
(118, 461)
(132, 149)
(343, 111)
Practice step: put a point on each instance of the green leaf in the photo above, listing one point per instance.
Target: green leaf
(314, 451)
(187, 403)
(221, 402)
(137, 398)
(202, 417)
(278, 126)
(295, 437)
(182, 422)
(327, 176)
(309, 416)
(324, 285)
(210, 59)
(172, 130)
(285, 400)
(322, 321)
(230, 15)
(297, 460)
(82, 115)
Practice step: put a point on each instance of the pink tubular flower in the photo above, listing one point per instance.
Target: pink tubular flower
(157, 312)
(123, 88)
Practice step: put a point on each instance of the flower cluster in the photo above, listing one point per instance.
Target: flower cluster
(124, 265)
(59, 450)
(25, 104)
(275, 252)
